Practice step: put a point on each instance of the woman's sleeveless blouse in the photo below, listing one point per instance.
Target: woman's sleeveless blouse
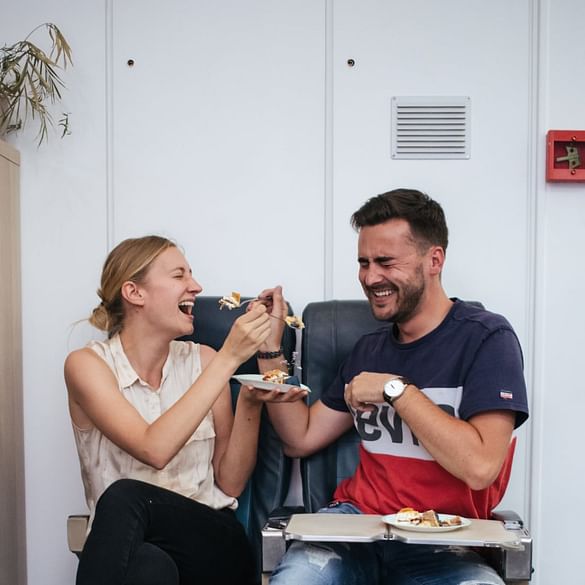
(190, 472)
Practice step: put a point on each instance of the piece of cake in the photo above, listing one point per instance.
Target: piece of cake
(294, 322)
(430, 518)
(231, 302)
(453, 521)
(408, 516)
(275, 376)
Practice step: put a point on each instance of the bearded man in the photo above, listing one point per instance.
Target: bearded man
(435, 398)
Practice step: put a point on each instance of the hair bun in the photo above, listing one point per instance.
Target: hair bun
(99, 317)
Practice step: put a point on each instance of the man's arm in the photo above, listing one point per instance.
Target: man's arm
(305, 430)
(473, 450)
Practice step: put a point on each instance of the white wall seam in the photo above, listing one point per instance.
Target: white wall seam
(536, 336)
(328, 215)
(109, 89)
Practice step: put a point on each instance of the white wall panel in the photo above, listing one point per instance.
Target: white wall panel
(63, 211)
(559, 461)
(406, 49)
(218, 138)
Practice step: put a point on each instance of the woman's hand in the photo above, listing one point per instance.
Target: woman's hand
(247, 334)
(273, 396)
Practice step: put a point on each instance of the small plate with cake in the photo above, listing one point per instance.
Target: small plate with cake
(272, 380)
(428, 521)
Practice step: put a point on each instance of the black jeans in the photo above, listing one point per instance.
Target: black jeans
(145, 535)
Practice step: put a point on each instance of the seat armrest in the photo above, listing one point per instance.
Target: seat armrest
(510, 518)
(515, 566)
(279, 518)
(273, 542)
(77, 532)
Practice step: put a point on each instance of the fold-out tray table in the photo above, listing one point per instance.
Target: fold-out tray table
(369, 528)
(509, 544)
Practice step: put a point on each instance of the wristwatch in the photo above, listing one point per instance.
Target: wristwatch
(394, 388)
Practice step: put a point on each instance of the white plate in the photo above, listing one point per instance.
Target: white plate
(391, 519)
(257, 381)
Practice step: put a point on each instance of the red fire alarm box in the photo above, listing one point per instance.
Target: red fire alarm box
(565, 155)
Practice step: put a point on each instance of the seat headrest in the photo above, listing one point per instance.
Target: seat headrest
(332, 328)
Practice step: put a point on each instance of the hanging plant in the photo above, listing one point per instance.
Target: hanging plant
(30, 81)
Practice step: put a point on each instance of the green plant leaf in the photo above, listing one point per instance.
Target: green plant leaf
(29, 78)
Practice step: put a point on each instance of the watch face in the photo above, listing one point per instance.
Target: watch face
(393, 389)
(397, 385)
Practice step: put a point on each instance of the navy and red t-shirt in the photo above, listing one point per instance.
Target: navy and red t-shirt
(471, 363)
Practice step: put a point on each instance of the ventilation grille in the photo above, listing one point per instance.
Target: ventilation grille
(430, 127)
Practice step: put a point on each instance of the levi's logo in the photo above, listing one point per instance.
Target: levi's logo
(383, 431)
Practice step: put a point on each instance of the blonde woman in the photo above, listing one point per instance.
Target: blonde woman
(163, 458)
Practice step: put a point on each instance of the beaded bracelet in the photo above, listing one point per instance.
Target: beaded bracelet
(269, 355)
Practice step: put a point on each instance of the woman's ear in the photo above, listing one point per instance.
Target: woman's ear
(132, 293)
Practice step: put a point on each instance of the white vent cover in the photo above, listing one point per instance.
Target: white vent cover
(430, 127)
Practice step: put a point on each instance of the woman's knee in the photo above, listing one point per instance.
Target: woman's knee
(120, 497)
(152, 566)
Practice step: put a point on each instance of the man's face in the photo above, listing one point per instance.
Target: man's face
(391, 270)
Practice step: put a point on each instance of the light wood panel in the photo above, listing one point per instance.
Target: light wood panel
(12, 503)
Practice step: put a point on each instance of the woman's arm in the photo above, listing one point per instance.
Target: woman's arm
(236, 440)
(93, 393)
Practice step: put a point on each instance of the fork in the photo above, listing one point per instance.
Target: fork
(269, 314)
(249, 301)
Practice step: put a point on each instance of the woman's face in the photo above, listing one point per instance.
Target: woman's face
(169, 292)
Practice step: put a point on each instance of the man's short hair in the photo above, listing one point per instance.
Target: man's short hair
(424, 215)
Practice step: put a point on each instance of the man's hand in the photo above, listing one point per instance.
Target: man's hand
(275, 305)
(366, 389)
(273, 396)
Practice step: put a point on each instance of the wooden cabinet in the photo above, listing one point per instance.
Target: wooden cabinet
(12, 494)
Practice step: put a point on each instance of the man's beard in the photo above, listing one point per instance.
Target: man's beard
(409, 296)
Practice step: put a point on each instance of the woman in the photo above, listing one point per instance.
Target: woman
(162, 456)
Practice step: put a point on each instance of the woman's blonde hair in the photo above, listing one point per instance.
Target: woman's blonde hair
(129, 260)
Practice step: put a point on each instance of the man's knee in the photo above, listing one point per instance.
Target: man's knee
(310, 563)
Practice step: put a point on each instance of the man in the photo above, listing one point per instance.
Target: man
(448, 373)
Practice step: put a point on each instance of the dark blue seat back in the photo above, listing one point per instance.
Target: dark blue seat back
(331, 330)
(267, 488)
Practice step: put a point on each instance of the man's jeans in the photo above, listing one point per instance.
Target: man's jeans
(383, 563)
